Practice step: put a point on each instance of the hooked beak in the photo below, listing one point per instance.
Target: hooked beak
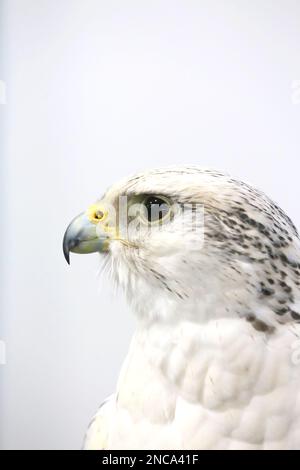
(84, 236)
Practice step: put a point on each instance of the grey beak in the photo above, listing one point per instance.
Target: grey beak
(83, 236)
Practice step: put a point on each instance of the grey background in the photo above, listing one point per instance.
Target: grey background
(97, 90)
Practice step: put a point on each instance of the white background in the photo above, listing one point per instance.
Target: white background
(96, 90)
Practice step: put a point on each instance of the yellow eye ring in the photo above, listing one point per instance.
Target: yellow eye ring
(96, 213)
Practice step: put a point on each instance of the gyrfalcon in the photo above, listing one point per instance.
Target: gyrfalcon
(211, 269)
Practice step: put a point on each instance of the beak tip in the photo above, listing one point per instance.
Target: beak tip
(66, 250)
(67, 256)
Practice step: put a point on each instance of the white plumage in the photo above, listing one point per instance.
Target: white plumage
(211, 363)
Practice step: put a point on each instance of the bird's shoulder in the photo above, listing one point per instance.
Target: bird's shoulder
(97, 434)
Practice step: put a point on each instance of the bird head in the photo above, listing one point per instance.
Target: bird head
(191, 242)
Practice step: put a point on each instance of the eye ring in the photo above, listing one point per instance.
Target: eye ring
(157, 208)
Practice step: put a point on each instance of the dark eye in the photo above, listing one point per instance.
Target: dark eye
(156, 208)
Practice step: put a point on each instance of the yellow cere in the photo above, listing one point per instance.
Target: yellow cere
(96, 213)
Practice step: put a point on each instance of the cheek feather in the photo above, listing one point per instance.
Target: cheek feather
(247, 262)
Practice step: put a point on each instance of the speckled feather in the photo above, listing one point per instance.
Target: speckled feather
(210, 365)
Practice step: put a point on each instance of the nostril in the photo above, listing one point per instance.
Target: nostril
(99, 215)
(96, 213)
